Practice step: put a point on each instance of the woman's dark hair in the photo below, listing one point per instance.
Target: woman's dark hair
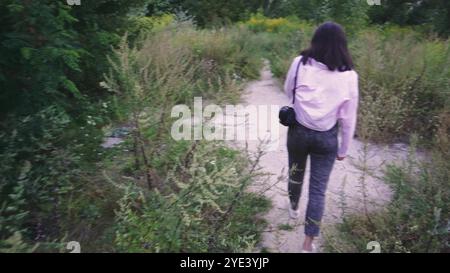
(329, 46)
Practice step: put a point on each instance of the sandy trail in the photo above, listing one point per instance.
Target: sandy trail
(284, 234)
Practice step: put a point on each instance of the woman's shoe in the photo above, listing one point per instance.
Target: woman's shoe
(294, 214)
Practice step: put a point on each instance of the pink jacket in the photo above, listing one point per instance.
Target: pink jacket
(324, 97)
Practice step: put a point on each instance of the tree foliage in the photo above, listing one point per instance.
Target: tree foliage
(207, 12)
(351, 13)
(435, 13)
(52, 58)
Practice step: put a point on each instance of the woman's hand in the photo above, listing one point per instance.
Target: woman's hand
(340, 158)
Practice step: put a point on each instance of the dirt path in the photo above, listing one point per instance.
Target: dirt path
(286, 235)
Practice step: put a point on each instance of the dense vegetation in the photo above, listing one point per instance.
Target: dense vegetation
(58, 183)
(404, 84)
(71, 75)
(430, 15)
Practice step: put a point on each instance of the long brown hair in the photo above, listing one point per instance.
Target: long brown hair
(329, 46)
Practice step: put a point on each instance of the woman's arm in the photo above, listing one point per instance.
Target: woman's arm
(290, 78)
(348, 117)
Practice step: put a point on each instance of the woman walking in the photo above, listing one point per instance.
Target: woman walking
(325, 102)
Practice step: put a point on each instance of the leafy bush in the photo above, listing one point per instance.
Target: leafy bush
(401, 90)
(416, 220)
(139, 24)
(226, 51)
(50, 121)
(260, 23)
(196, 216)
(53, 110)
(183, 196)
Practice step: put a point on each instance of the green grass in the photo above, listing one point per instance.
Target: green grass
(285, 227)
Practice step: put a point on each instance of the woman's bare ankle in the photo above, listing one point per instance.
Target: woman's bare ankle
(308, 243)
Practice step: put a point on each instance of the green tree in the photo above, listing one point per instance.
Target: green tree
(435, 13)
(52, 58)
(350, 13)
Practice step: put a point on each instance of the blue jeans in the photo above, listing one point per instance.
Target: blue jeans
(322, 148)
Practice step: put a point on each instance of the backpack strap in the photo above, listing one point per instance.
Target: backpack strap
(295, 81)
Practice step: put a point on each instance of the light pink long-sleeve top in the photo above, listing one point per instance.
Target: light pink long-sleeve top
(323, 98)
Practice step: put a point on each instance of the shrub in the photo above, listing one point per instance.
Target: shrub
(195, 217)
(401, 90)
(183, 196)
(145, 24)
(416, 220)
